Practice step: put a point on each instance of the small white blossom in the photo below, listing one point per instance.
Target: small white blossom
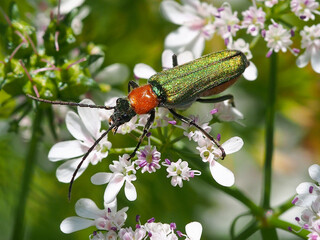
(253, 20)
(179, 172)
(251, 72)
(305, 9)
(226, 112)
(270, 3)
(227, 22)
(148, 159)
(196, 21)
(123, 173)
(129, 234)
(85, 127)
(160, 231)
(211, 153)
(311, 42)
(193, 231)
(90, 215)
(277, 38)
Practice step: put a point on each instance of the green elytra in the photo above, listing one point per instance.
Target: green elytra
(180, 86)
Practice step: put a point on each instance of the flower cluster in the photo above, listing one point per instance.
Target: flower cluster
(110, 224)
(309, 198)
(199, 22)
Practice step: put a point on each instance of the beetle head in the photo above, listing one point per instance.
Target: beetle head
(123, 113)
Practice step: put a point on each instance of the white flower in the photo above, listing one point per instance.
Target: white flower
(148, 159)
(85, 127)
(123, 173)
(196, 20)
(179, 171)
(304, 9)
(251, 72)
(226, 112)
(210, 153)
(227, 22)
(270, 3)
(90, 215)
(308, 192)
(160, 231)
(129, 234)
(253, 20)
(311, 42)
(277, 38)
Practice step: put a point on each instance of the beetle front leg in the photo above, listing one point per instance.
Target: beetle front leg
(145, 131)
(191, 122)
(132, 84)
(218, 99)
(174, 60)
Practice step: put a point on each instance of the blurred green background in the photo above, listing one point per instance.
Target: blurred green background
(134, 32)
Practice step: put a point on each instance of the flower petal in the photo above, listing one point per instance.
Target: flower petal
(303, 188)
(303, 59)
(194, 230)
(251, 72)
(198, 46)
(234, 144)
(101, 178)
(144, 71)
(114, 74)
(314, 172)
(305, 200)
(221, 174)
(87, 208)
(90, 118)
(181, 37)
(185, 57)
(166, 57)
(66, 150)
(65, 171)
(73, 224)
(76, 127)
(113, 187)
(130, 191)
(176, 13)
(315, 61)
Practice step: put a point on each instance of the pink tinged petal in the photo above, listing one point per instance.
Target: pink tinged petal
(176, 13)
(65, 171)
(66, 150)
(130, 191)
(314, 172)
(303, 59)
(101, 178)
(90, 118)
(144, 71)
(185, 57)
(87, 208)
(251, 72)
(113, 187)
(76, 127)
(112, 205)
(194, 230)
(73, 224)
(181, 37)
(234, 144)
(221, 174)
(315, 61)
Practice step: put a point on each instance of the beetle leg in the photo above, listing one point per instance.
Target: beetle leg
(191, 122)
(174, 60)
(132, 84)
(218, 99)
(145, 131)
(85, 157)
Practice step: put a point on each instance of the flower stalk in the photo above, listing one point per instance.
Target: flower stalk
(30, 163)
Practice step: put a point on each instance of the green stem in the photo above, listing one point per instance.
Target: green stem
(283, 207)
(280, 224)
(247, 231)
(269, 132)
(30, 163)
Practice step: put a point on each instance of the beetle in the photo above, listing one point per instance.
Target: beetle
(174, 88)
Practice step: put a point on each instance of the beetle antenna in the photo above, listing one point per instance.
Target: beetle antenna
(85, 157)
(69, 103)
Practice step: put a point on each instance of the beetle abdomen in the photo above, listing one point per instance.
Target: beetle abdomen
(208, 75)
